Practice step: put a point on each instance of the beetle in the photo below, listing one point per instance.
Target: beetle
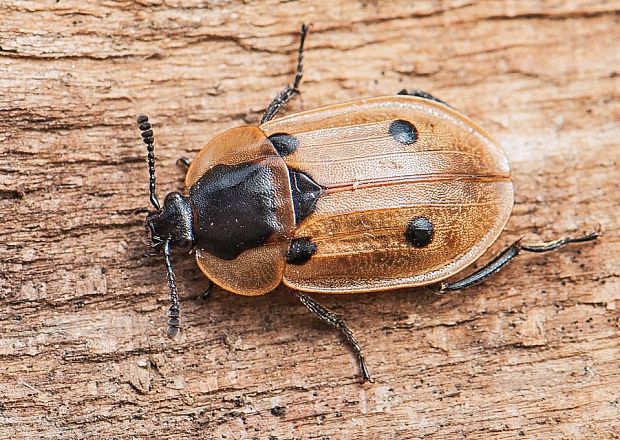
(369, 195)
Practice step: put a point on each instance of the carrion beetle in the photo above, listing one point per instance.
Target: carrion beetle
(368, 195)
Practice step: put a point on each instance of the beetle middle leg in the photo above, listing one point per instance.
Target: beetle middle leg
(207, 292)
(329, 317)
(507, 255)
(288, 92)
(422, 94)
(184, 162)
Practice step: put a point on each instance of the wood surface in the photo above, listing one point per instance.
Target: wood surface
(534, 352)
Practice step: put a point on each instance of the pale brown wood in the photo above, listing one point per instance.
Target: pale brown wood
(533, 352)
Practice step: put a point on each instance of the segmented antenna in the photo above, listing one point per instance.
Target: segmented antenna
(147, 137)
(174, 310)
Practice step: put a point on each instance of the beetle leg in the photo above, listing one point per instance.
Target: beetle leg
(207, 292)
(422, 94)
(507, 255)
(184, 162)
(329, 317)
(290, 90)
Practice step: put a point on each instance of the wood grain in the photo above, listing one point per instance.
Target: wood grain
(531, 353)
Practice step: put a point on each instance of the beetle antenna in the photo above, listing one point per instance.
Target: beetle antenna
(174, 310)
(147, 137)
(288, 92)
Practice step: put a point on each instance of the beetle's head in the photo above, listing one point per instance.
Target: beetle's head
(172, 223)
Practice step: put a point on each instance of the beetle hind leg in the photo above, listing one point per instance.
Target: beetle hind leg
(288, 92)
(507, 255)
(329, 317)
(422, 94)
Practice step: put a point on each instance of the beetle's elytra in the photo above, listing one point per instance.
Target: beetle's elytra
(370, 195)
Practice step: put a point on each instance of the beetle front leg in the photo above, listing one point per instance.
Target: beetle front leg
(183, 162)
(329, 317)
(506, 257)
(288, 92)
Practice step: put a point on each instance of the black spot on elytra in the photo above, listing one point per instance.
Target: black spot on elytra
(419, 231)
(284, 144)
(300, 251)
(403, 132)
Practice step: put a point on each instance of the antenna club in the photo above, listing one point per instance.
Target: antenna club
(147, 137)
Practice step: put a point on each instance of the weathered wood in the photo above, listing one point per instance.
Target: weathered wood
(533, 352)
